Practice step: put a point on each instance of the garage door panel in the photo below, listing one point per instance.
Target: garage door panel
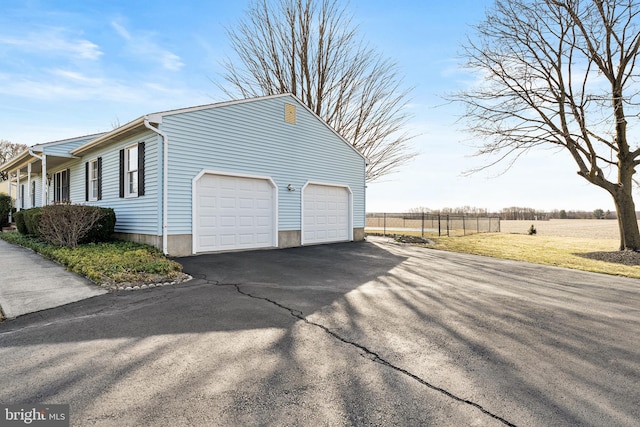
(247, 221)
(233, 213)
(325, 214)
(208, 221)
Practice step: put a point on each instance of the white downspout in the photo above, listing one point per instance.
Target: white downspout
(165, 182)
(43, 158)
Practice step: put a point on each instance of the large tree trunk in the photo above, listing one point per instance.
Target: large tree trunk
(627, 220)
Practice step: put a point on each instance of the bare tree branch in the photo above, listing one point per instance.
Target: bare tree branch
(561, 72)
(311, 49)
(9, 150)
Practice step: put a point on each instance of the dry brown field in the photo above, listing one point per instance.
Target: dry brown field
(584, 228)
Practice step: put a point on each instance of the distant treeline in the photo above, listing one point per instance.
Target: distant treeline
(520, 213)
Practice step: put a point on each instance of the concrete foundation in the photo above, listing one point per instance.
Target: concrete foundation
(182, 245)
(147, 239)
(177, 244)
(289, 239)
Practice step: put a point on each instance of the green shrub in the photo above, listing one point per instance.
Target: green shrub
(32, 221)
(18, 217)
(103, 229)
(5, 208)
(68, 225)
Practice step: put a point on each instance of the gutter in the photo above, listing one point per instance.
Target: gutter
(79, 151)
(165, 181)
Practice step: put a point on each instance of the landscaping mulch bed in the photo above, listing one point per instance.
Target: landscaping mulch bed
(630, 258)
(403, 239)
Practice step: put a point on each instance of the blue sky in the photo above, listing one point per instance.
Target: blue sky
(70, 68)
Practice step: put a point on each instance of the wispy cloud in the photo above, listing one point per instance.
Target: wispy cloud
(142, 45)
(122, 31)
(53, 41)
(60, 85)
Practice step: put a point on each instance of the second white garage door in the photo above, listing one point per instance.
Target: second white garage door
(233, 212)
(325, 216)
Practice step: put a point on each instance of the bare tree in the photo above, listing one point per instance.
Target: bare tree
(561, 73)
(9, 150)
(311, 49)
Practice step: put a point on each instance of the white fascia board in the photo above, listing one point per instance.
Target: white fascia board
(107, 136)
(17, 162)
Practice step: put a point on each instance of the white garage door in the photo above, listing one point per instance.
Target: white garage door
(233, 213)
(325, 214)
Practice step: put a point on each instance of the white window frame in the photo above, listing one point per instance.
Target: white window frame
(93, 180)
(128, 172)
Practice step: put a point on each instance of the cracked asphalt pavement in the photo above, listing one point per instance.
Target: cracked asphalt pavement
(368, 333)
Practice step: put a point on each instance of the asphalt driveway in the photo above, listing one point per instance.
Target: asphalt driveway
(348, 334)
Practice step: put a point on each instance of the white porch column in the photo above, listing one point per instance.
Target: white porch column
(18, 198)
(10, 197)
(44, 180)
(28, 204)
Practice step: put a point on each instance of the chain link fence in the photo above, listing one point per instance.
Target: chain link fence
(425, 225)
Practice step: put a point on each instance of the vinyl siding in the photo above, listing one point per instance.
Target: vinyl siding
(253, 138)
(133, 215)
(38, 180)
(25, 181)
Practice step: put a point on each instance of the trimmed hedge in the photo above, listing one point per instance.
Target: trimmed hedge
(28, 221)
(32, 221)
(102, 231)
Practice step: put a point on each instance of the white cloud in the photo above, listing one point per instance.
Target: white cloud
(56, 41)
(64, 87)
(121, 30)
(77, 77)
(143, 47)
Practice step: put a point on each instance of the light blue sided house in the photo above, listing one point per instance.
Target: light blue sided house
(255, 173)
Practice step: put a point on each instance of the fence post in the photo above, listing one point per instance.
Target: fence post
(448, 226)
(478, 224)
(423, 224)
(464, 226)
(384, 225)
(439, 226)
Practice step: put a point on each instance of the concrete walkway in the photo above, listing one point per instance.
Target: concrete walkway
(30, 283)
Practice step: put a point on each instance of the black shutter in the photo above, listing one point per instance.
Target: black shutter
(141, 169)
(86, 182)
(121, 173)
(66, 194)
(99, 178)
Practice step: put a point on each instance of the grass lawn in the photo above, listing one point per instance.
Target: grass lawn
(547, 250)
(112, 263)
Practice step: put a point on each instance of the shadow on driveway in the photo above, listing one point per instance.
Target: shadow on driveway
(420, 337)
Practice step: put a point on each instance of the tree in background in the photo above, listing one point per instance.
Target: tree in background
(311, 49)
(9, 150)
(561, 73)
